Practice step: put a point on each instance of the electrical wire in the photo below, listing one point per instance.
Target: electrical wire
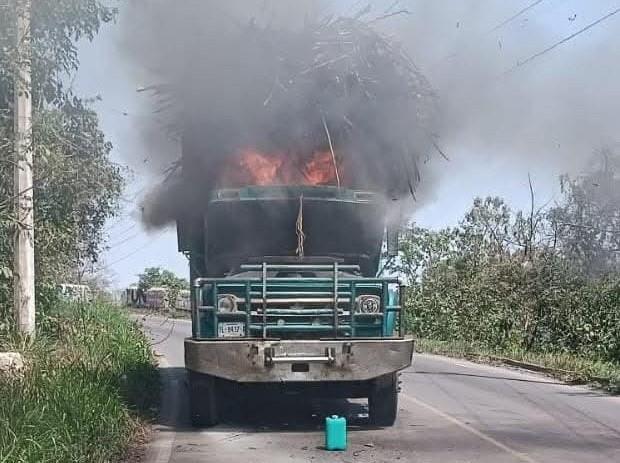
(564, 40)
(124, 231)
(123, 241)
(483, 35)
(132, 253)
(515, 16)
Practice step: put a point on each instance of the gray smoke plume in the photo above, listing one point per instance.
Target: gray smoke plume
(289, 82)
(554, 110)
(205, 60)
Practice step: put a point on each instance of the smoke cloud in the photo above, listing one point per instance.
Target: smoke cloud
(553, 110)
(283, 82)
(212, 75)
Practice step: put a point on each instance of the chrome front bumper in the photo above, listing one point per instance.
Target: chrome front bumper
(264, 361)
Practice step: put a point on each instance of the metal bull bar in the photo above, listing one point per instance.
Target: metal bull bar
(335, 269)
(259, 286)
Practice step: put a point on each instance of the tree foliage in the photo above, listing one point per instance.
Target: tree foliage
(158, 277)
(587, 223)
(543, 279)
(76, 185)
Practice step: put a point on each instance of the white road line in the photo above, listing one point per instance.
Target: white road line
(515, 373)
(518, 455)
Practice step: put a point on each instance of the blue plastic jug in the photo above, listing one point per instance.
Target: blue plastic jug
(335, 433)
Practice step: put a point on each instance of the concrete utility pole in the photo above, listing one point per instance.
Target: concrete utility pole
(23, 271)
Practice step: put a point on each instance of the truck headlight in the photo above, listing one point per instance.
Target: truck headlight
(226, 303)
(368, 304)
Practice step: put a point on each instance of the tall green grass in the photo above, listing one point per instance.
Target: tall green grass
(90, 381)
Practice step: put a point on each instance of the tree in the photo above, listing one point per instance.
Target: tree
(76, 185)
(587, 221)
(156, 276)
(421, 249)
(485, 229)
(547, 279)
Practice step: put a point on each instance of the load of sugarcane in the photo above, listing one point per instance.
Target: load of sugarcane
(348, 86)
(337, 85)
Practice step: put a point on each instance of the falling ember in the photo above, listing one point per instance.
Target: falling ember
(251, 167)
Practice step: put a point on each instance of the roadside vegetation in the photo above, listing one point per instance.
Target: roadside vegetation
(88, 385)
(542, 286)
(77, 187)
(89, 378)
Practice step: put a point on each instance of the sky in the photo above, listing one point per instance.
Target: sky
(469, 172)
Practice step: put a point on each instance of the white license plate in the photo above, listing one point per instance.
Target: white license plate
(230, 330)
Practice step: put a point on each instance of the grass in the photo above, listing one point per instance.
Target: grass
(565, 366)
(89, 384)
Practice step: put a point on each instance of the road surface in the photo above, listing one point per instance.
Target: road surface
(450, 411)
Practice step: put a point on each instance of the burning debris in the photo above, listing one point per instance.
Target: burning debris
(250, 167)
(330, 103)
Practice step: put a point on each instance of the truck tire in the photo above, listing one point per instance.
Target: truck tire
(383, 400)
(202, 399)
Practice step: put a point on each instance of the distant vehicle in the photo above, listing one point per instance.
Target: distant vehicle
(184, 300)
(134, 297)
(75, 293)
(157, 298)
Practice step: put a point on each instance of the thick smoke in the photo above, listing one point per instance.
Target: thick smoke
(277, 79)
(554, 110)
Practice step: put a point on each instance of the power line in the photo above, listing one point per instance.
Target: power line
(483, 35)
(119, 219)
(516, 15)
(564, 40)
(127, 229)
(132, 253)
(123, 241)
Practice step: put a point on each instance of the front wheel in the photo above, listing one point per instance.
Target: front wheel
(202, 399)
(383, 400)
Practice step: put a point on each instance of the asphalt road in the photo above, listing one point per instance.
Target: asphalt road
(450, 411)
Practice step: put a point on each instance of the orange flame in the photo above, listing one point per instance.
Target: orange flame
(319, 170)
(262, 170)
(251, 167)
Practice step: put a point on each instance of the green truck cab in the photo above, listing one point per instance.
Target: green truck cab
(285, 295)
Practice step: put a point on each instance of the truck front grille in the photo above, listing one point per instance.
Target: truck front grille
(286, 307)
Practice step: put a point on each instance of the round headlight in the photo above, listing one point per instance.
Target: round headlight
(368, 304)
(226, 303)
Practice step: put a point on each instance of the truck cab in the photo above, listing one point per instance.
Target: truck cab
(286, 295)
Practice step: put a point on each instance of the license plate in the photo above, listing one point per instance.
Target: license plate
(230, 330)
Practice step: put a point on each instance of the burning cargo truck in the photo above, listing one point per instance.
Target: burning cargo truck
(292, 181)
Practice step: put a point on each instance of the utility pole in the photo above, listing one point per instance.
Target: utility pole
(23, 271)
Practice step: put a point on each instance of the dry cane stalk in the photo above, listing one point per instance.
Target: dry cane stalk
(331, 148)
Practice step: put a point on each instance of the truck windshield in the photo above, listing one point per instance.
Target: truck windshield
(240, 230)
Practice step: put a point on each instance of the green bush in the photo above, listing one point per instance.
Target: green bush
(89, 380)
(540, 306)
(543, 281)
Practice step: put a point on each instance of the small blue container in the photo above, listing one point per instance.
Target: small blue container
(335, 433)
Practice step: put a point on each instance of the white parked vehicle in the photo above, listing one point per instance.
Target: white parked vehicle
(75, 293)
